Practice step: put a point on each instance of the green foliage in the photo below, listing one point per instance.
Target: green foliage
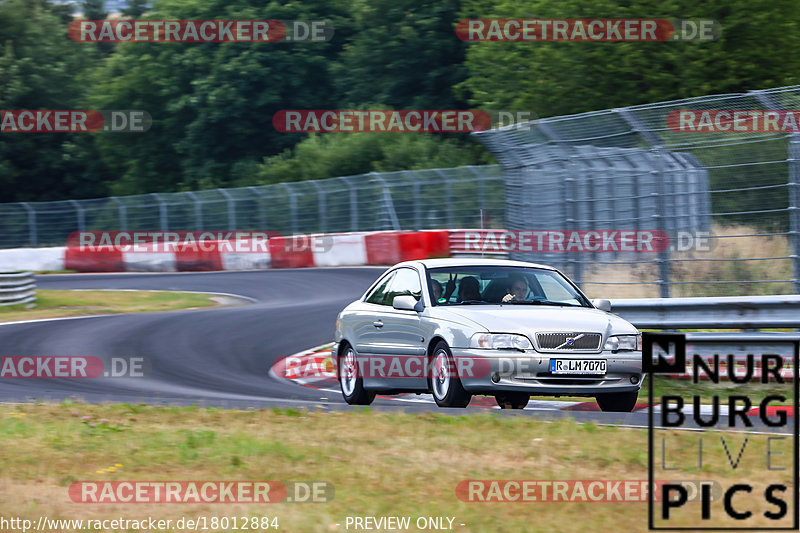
(212, 104)
(136, 8)
(403, 54)
(41, 69)
(93, 9)
(758, 49)
(346, 154)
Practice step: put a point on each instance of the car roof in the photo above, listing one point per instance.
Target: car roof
(472, 261)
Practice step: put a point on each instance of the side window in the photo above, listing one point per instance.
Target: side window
(379, 293)
(406, 282)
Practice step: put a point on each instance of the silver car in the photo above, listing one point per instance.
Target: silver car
(462, 327)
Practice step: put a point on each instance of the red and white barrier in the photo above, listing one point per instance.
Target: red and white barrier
(322, 250)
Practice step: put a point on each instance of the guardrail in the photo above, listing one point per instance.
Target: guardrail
(17, 288)
(731, 312)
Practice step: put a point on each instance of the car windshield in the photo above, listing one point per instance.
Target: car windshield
(505, 285)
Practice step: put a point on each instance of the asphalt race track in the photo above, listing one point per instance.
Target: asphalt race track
(217, 356)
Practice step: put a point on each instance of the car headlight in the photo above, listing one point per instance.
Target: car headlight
(623, 343)
(500, 341)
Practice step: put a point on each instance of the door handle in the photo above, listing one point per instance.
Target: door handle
(378, 324)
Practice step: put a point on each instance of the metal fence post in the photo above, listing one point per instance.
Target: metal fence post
(322, 215)
(162, 212)
(417, 200)
(794, 207)
(480, 178)
(123, 215)
(32, 234)
(198, 211)
(572, 216)
(448, 196)
(292, 208)
(231, 201)
(262, 211)
(388, 204)
(659, 216)
(80, 213)
(353, 204)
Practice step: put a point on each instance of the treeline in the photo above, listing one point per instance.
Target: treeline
(212, 104)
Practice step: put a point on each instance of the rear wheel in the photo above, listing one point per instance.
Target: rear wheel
(444, 381)
(351, 383)
(512, 400)
(618, 402)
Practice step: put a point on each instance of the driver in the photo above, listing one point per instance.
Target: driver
(517, 290)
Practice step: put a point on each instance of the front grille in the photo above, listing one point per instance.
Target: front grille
(569, 342)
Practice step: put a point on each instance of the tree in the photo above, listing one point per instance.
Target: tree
(757, 50)
(343, 154)
(212, 104)
(136, 8)
(94, 9)
(403, 53)
(41, 69)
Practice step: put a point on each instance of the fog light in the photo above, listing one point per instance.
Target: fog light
(634, 379)
(495, 378)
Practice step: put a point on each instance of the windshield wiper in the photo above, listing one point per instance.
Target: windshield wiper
(544, 302)
(471, 302)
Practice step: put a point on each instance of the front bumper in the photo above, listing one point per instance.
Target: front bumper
(513, 371)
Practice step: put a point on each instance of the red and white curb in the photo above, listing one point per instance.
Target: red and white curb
(314, 368)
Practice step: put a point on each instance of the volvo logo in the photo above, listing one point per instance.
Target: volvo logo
(570, 341)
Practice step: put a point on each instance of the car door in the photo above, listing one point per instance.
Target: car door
(401, 340)
(368, 320)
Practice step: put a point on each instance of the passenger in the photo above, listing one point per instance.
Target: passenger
(450, 287)
(518, 289)
(436, 288)
(469, 289)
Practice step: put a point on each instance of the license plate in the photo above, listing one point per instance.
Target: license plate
(578, 366)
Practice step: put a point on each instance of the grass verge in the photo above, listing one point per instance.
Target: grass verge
(64, 303)
(381, 464)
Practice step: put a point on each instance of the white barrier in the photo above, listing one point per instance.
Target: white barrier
(34, 259)
(345, 249)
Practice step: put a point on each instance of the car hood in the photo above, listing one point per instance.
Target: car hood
(533, 319)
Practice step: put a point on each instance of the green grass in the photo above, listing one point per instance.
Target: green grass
(398, 464)
(64, 303)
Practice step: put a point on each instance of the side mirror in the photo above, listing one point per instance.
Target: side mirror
(407, 303)
(603, 305)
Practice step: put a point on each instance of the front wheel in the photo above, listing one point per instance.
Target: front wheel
(512, 400)
(444, 381)
(618, 402)
(351, 383)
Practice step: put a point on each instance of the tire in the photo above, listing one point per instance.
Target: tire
(512, 400)
(351, 384)
(444, 382)
(618, 402)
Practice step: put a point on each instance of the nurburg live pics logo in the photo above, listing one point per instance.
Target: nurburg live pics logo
(759, 503)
